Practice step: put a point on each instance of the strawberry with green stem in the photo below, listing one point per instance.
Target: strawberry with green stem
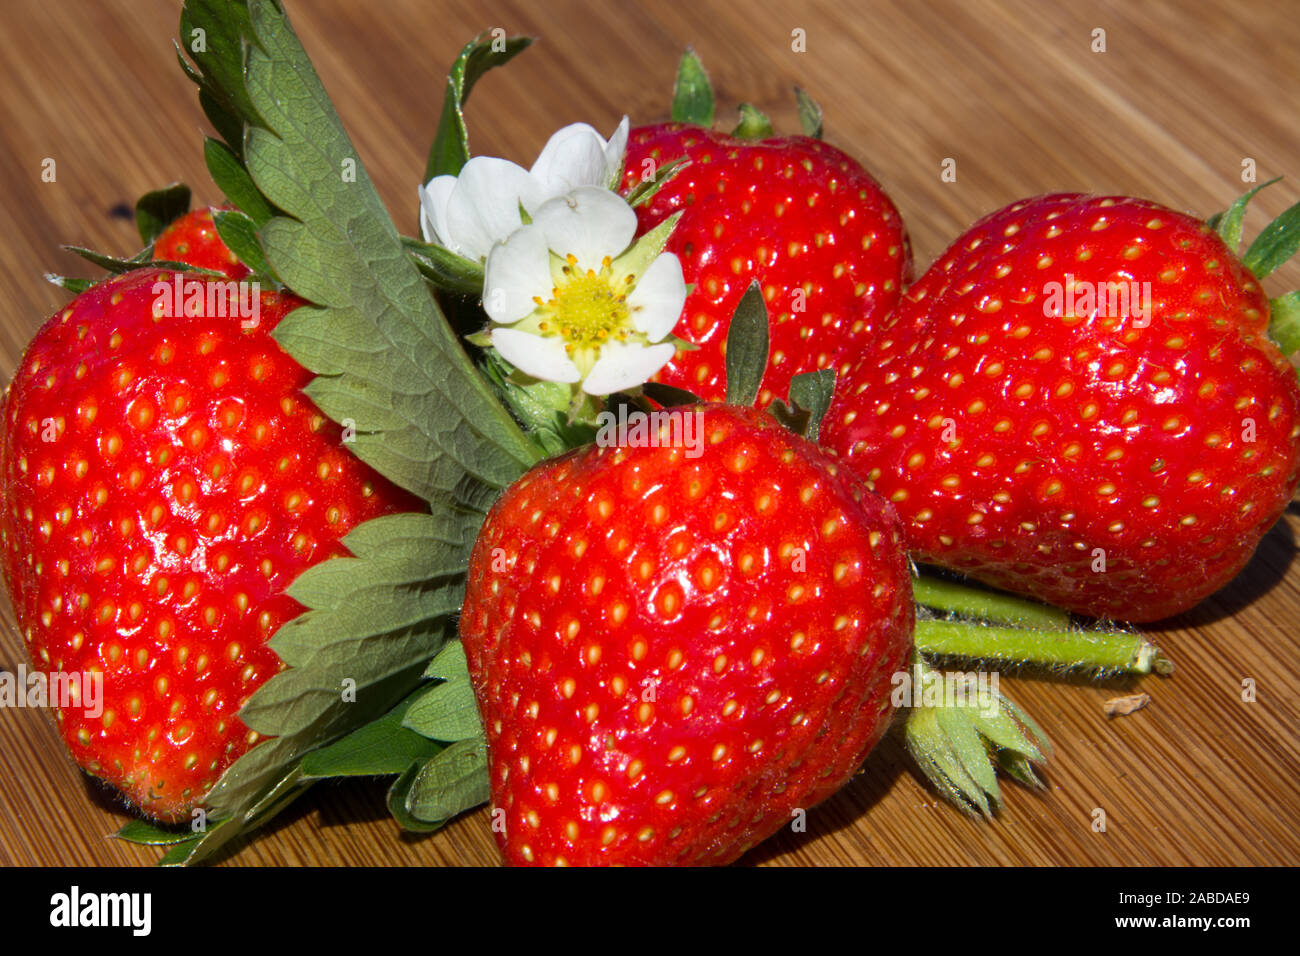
(807, 221)
(1086, 400)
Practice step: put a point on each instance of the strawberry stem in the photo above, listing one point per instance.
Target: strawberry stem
(944, 595)
(1105, 651)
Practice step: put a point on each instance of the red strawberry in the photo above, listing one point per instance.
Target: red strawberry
(673, 653)
(1114, 463)
(796, 214)
(164, 481)
(193, 239)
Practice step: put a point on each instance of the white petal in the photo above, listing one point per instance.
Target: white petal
(625, 366)
(535, 356)
(484, 207)
(589, 223)
(614, 152)
(656, 300)
(573, 157)
(516, 271)
(433, 211)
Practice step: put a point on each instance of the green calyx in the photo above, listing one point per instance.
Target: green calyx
(694, 103)
(1276, 244)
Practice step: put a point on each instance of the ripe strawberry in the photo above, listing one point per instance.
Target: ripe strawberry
(1114, 463)
(670, 653)
(164, 481)
(796, 214)
(193, 239)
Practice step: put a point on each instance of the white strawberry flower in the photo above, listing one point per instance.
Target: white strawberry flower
(576, 301)
(471, 212)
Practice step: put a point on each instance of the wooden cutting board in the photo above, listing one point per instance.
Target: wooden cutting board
(1013, 92)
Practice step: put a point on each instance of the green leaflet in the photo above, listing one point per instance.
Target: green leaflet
(379, 748)
(692, 93)
(447, 711)
(450, 150)
(155, 211)
(747, 345)
(239, 233)
(228, 172)
(454, 781)
(387, 365)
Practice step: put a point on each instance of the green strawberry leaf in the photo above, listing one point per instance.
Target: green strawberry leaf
(399, 794)
(810, 114)
(448, 710)
(747, 347)
(1228, 223)
(387, 364)
(213, 33)
(228, 172)
(444, 269)
(239, 233)
(157, 210)
(452, 782)
(692, 93)
(450, 150)
(753, 124)
(1275, 245)
(379, 748)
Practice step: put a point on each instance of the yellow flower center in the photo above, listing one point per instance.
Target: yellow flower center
(587, 309)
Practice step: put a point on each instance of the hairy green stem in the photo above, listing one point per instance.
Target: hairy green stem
(944, 595)
(1113, 651)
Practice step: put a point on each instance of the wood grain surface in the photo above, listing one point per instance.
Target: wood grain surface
(1012, 91)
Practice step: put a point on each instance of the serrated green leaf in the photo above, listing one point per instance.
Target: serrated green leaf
(813, 392)
(155, 211)
(810, 114)
(753, 124)
(450, 150)
(239, 233)
(692, 93)
(230, 176)
(379, 748)
(452, 782)
(1228, 223)
(747, 346)
(1275, 245)
(213, 34)
(447, 711)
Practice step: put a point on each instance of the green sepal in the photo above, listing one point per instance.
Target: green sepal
(450, 150)
(156, 210)
(1228, 223)
(692, 93)
(645, 190)
(74, 284)
(379, 748)
(957, 740)
(445, 269)
(1275, 245)
(669, 395)
(813, 391)
(747, 347)
(230, 176)
(239, 233)
(1284, 322)
(810, 114)
(450, 783)
(753, 124)
(146, 833)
